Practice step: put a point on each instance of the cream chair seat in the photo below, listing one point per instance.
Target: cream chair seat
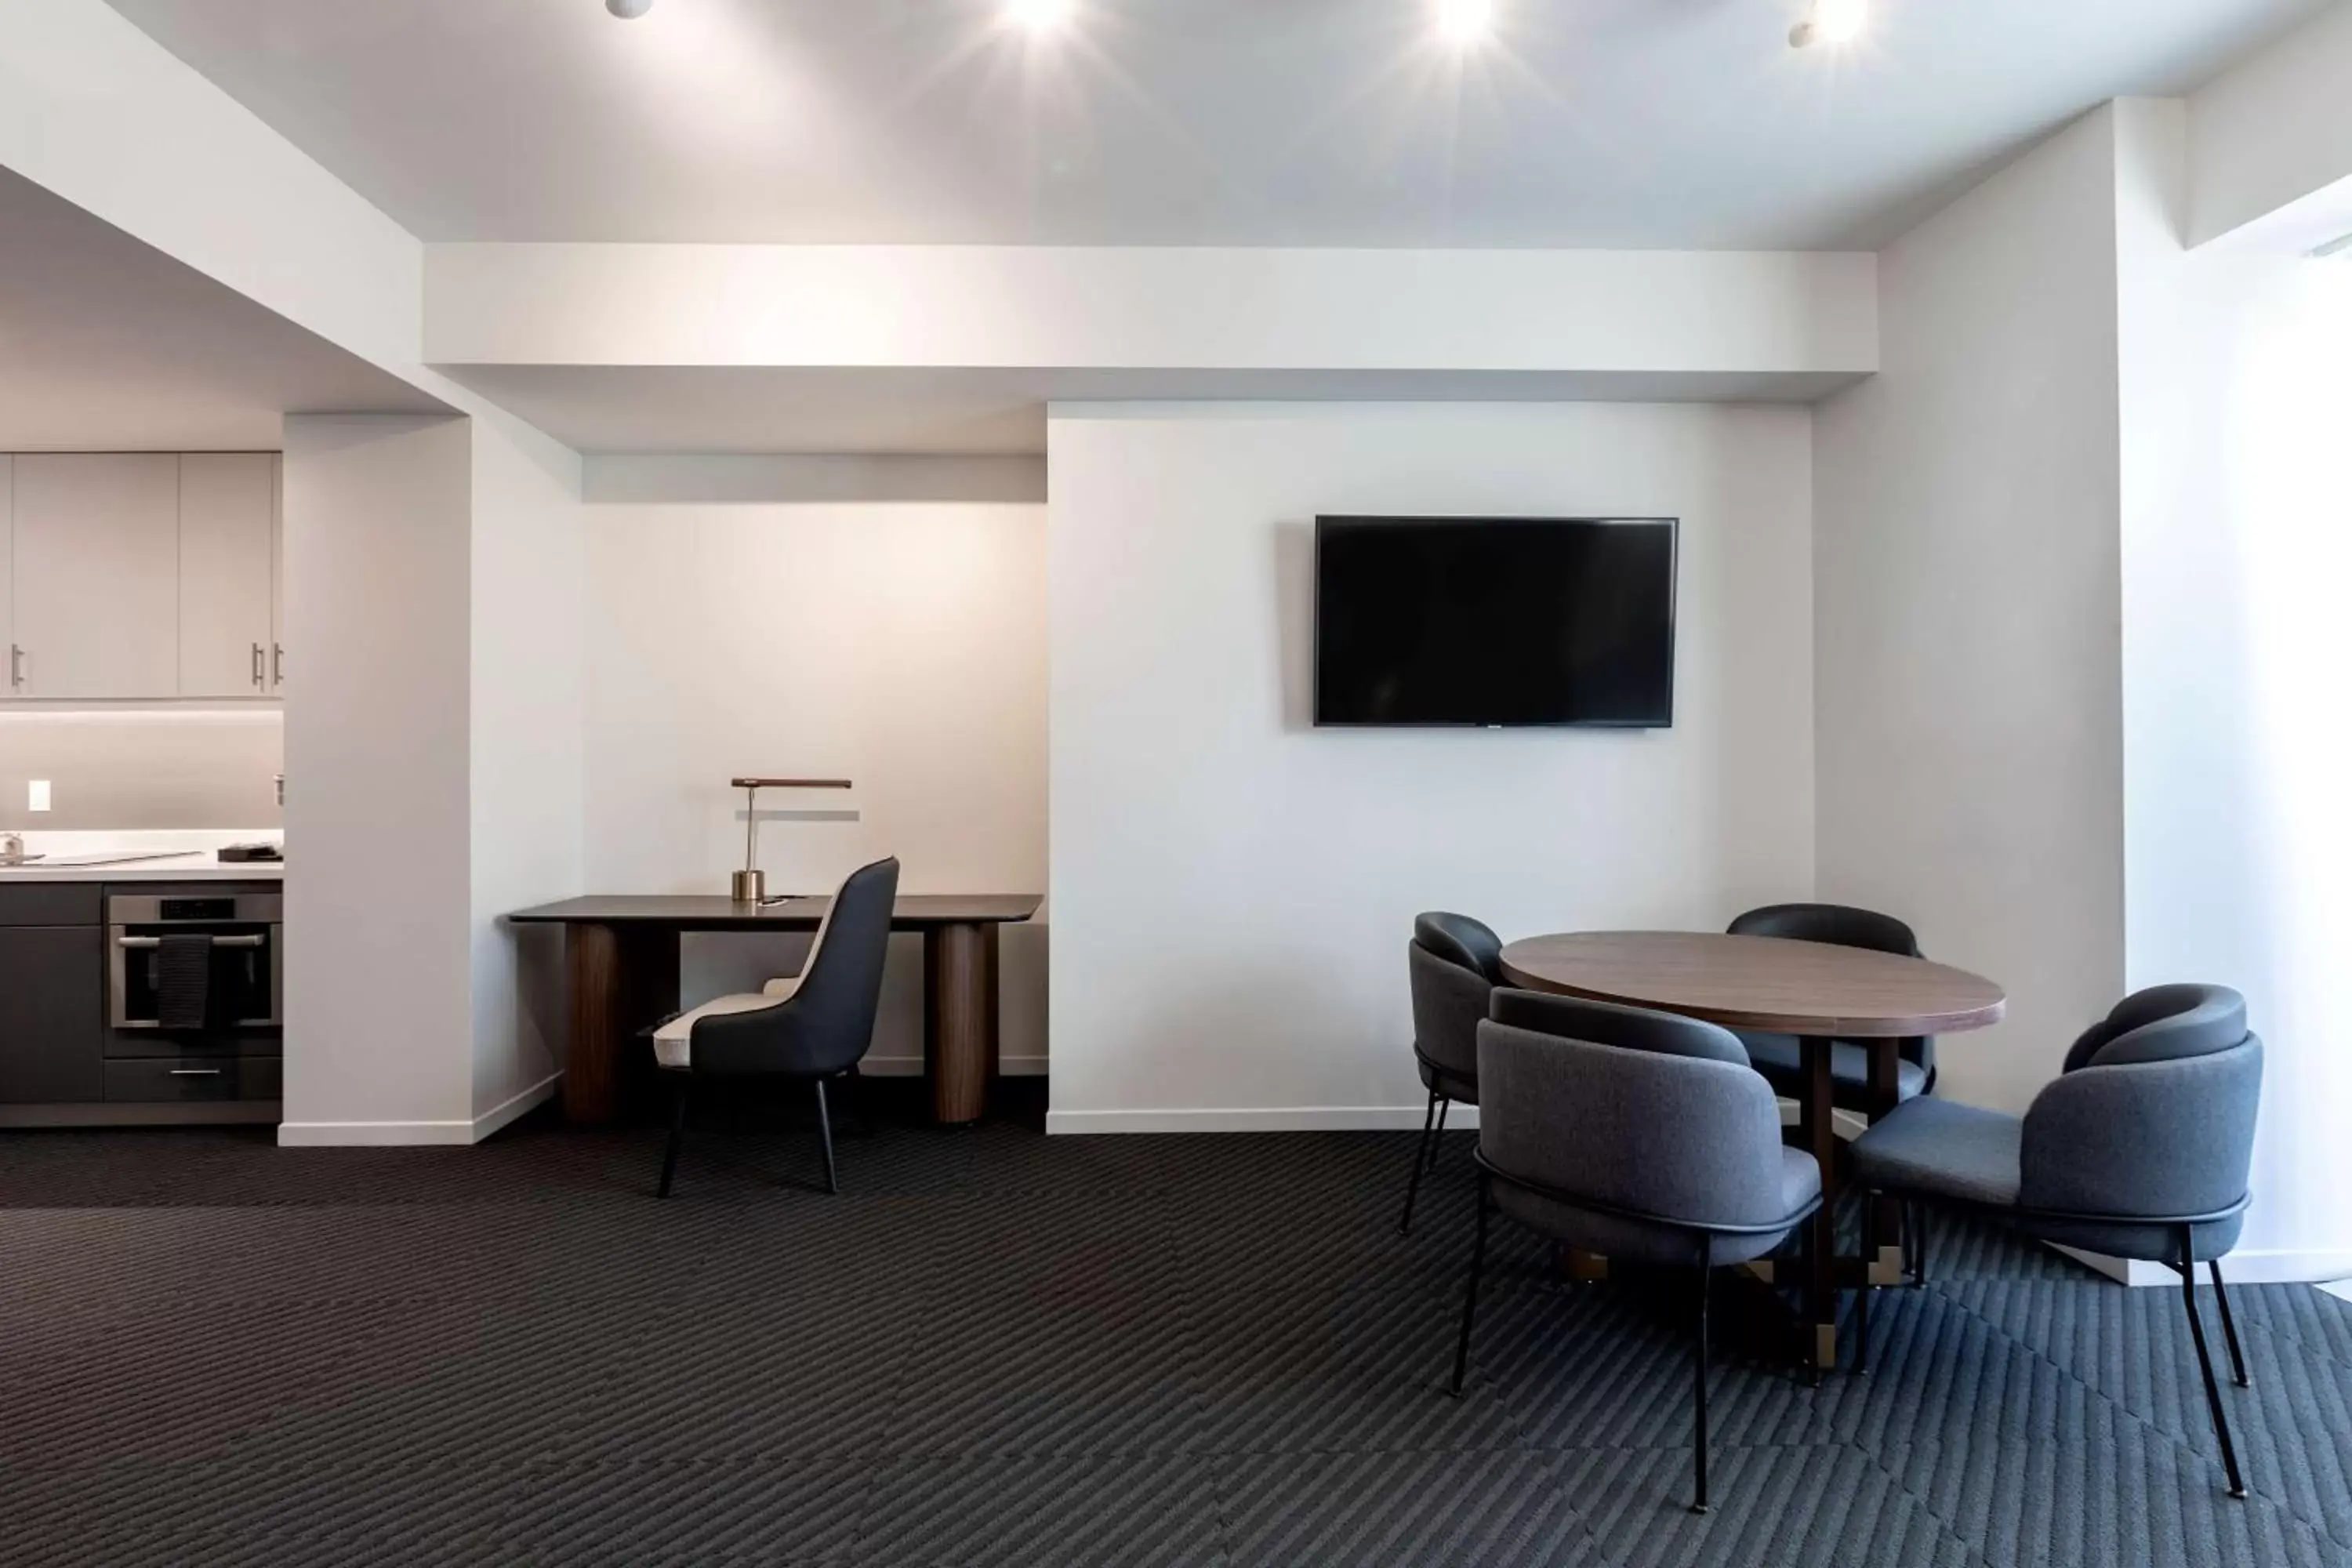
(674, 1041)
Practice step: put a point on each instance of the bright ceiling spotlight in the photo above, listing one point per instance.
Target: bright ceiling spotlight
(1039, 15)
(628, 10)
(1830, 22)
(1462, 23)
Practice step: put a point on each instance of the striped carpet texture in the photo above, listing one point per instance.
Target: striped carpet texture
(998, 1349)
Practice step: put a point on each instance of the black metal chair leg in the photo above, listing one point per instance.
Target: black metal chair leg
(676, 1135)
(2229, 1325)
(825, 1134)
(1470, 1298)
(1862, 1295)
(1420, 1164)
(2188, 1269)
(1919, 1246)
(1698, 1452)
(1438, 1143)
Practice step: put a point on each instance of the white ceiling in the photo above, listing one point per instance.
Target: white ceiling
(107, 344)
(1586, 123)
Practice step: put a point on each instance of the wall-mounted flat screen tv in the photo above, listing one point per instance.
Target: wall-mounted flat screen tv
(1495, 622)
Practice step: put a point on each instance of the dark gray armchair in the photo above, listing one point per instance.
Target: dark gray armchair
(1779, 1057)
(1637, 1135)
(2140, 1148)
(813, 1026)
(1454, 962)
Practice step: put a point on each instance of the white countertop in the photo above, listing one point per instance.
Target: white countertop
(191, 852)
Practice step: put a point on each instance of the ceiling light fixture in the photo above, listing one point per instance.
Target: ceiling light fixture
(1462, 23)
(1830, 22)
(1039, 15)
(628, 10)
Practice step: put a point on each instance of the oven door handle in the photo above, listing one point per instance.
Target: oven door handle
(218, 942)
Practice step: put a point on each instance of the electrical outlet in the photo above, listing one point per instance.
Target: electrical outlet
(36, 795)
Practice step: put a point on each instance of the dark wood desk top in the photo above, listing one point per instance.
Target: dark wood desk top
(1759, 983)
(913, 911)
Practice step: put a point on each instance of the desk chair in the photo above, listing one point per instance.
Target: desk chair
(815, 1025)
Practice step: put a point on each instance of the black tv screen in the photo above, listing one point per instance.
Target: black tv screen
(1495, 622)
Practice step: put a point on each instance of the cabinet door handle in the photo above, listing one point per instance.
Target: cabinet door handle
(15, 666)
(195, 1072)
(277, 663)
(258, 678)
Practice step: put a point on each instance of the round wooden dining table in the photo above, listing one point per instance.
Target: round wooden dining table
(1822, 993)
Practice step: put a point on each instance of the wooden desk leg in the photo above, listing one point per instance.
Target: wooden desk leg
(960, 1020)
(1820, 1125)
(621, 979)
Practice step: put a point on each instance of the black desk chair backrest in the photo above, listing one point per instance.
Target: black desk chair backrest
(1639, 1135)
(827, 1024)
(1841, 925)
(1453, 963)
(2154, 1114)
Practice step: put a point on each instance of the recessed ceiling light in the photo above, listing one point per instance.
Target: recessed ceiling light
(628, 10)
(1462, 23)
(1830, 22)
(1039, 15)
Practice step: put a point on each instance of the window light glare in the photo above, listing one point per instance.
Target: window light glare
(1462, 23)
(1831, 22)
(1039, 15)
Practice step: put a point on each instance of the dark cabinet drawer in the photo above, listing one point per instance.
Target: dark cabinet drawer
(49, 903)
(52, 1014)
(169, 1079)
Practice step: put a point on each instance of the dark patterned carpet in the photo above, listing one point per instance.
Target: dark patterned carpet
(997, 1348)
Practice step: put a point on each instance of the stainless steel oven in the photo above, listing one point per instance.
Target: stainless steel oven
(246, 984)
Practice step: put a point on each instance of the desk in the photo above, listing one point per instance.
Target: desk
(1812, 990)
(621, 968)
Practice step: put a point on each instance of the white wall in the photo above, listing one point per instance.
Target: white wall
(2237, 555)
(1233, 890)
(1967, 651)
(527, 758)
(899, 647)
(378, 808)
(2275, 132)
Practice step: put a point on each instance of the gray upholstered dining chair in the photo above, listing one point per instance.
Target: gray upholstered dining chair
(1779, 1057)
(1639, 1135)
(2140, 1148)
(1455, 963)
(815, 1025)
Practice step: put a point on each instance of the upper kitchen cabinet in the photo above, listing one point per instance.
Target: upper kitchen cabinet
(97, 575)
(227, 568)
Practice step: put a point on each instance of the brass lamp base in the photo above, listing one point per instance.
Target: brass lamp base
(750, 887)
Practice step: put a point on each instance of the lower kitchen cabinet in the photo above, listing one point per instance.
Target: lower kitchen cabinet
(176, 1079)
(52, 1014)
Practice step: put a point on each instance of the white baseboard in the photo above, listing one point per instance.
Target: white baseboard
(1301, 1119)
(371, 1134)
(499, 1115)
(912, 1067)
(2277, 1267)
(393, 1134)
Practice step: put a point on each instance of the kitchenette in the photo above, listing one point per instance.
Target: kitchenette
(142, 788)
